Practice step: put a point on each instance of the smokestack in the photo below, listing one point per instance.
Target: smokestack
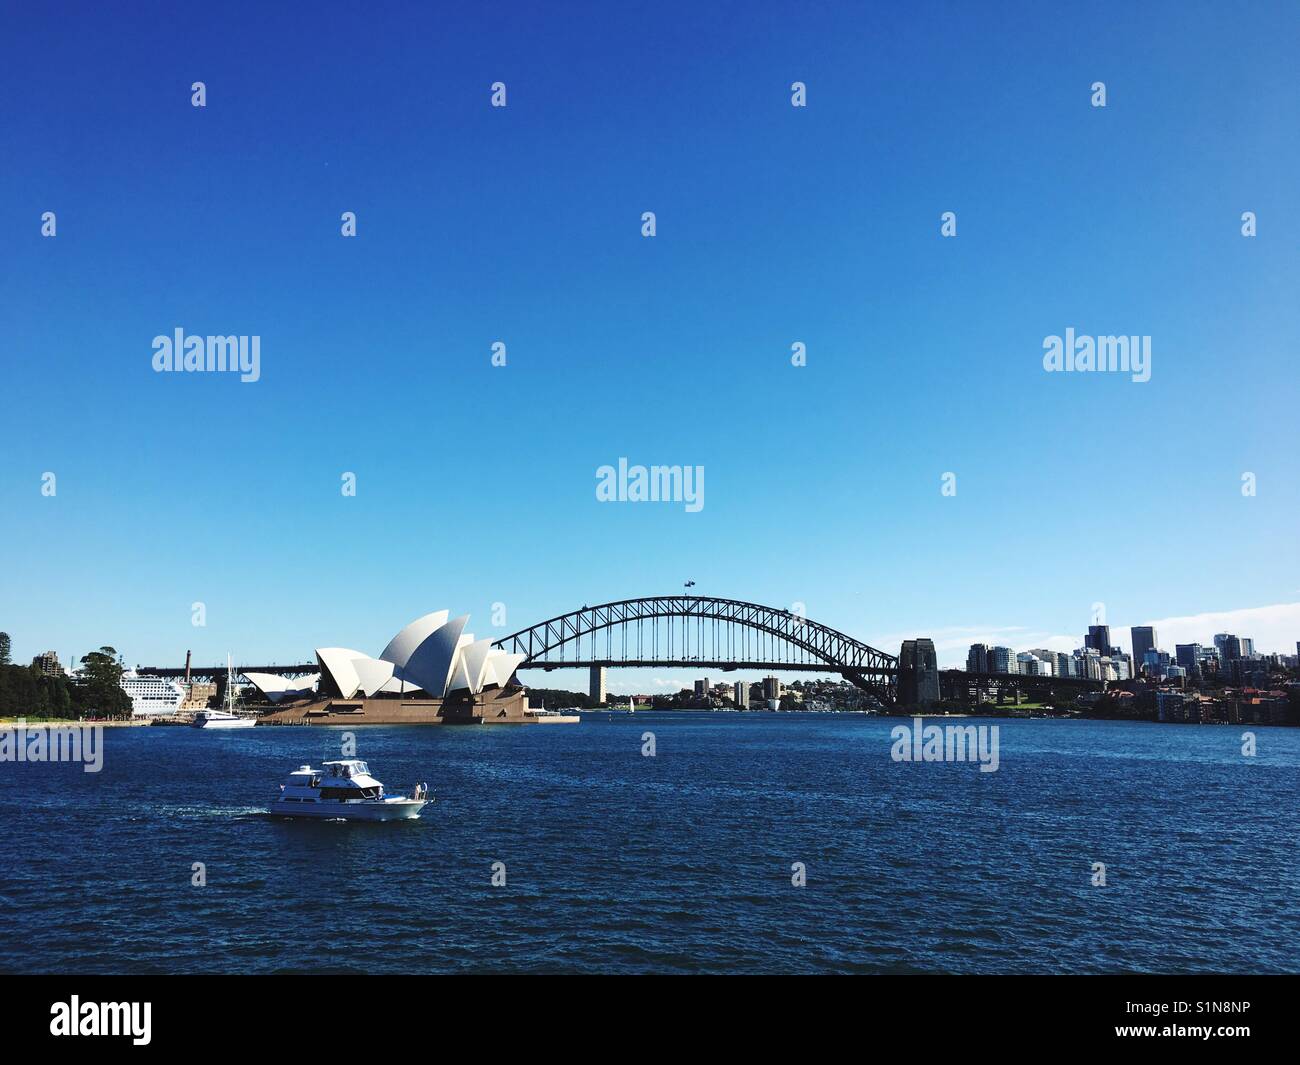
(187, 667)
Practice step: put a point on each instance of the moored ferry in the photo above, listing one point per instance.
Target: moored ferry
(345, 789)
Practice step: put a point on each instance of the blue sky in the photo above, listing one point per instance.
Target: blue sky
(475, 484)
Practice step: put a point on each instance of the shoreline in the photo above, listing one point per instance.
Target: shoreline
(14, 723)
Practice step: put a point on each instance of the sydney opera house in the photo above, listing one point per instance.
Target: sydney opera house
(432, 672)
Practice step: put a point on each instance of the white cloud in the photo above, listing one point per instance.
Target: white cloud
(1275, 629)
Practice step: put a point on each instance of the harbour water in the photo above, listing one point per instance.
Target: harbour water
(680, 862)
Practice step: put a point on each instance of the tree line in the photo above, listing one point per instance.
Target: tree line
(95, 692)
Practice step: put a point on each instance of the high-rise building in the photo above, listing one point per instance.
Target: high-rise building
(1211, 663)
(918, 673)
(1144, 640)
(702, 686)
(48, 664)
(1098, 639)
(1155, 664)
(1031, 665)
(1247, 647)
(1052, 659)
(1002, 660)
(1089, 664)
(977, 658)
(1228, 646)
(771, 688)
(1188, 656)
(742, 695)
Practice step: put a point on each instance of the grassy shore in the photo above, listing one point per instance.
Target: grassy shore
(55, 722)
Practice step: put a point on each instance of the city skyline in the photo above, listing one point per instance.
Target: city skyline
(777, 225)
(1276, 621)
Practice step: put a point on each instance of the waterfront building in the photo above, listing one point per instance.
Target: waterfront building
(431, 672)
(1144, 640)
(198, 694)
(977, 658)
(151, 696)
(1170, 706)
(1247, 647)
(771, 689)
(702, 687)
(742, 695)
(48, 664)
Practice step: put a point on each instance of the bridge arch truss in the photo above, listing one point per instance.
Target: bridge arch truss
(678, 630)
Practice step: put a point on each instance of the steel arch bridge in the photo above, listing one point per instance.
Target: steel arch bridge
(677, 630)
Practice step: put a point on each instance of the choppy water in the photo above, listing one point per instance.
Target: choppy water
(680, 862)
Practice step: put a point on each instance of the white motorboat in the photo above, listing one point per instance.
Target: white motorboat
(347, 790)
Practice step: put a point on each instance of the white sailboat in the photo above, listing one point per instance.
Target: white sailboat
(227, 718)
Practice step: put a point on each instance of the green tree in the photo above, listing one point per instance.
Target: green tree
(5, 648)
(98, 691)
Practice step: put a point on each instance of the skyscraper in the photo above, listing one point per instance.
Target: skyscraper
(1188, 655)
(977, 658)
(1229, 647)
(1098, 638)
(1144, 640)
(1002, 660)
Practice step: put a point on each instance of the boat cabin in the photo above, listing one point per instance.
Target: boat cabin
(334, 782)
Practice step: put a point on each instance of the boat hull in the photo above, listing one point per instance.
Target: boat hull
(221, 723)
(388, 810)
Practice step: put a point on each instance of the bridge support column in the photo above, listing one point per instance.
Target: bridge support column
(597, 691)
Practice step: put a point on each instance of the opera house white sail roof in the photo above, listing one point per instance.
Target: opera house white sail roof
(433, 656)
(278, 689)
